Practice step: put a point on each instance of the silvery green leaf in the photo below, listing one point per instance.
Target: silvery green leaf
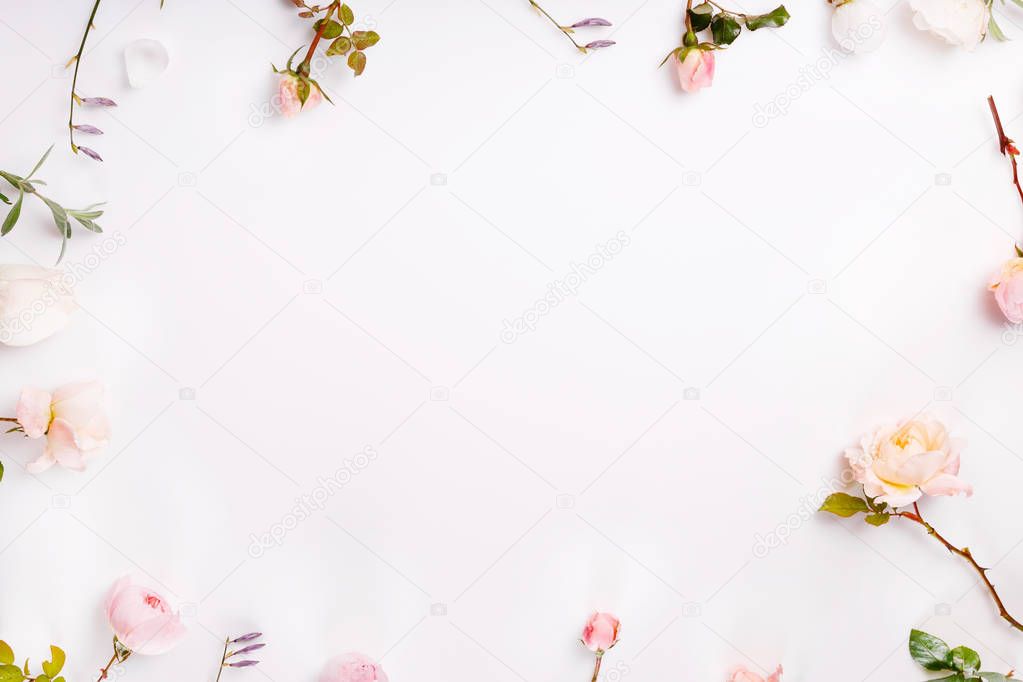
(39, 163)
(12, 215)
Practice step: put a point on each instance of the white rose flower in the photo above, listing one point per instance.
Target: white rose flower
(34, 304)
(858, 25)
(959, 22)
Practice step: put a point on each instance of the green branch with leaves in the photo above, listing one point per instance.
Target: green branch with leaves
(29, 185)
(10, 672)
(963, 662)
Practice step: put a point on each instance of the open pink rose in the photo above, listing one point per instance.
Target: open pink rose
(353, 667)
(142, 619)
(696, 69)
(72, 419)
(741, 674)
(601, 632)
(1007, 286)
(290, 102)
(899, 463)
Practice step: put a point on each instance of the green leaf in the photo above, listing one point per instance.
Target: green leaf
(357, 61)
(5, 199)
(777, 17)
(6, 653)
(956, 677)
(929, 651)
(993, 677)
(965, 660)
(995, 30)
(347, 15)
(10, 673)
(12, 215)
(332, 30)
(60, 218)
(364, 39)
(342, 45)
(843, 505)
(1, 475)
(53, 667)
(725, 28)
(700, 16)
(39, 163)
(878, 519)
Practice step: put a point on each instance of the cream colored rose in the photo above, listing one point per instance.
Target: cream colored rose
(34, 304)
(899, 463)
(959, 22)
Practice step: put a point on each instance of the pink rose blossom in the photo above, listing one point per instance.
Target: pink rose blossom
(899, 463)
(1007, 286)
(601, 632)
(73, 421)
(741, 674)
(696, 69)
(142, 619)
(353, 667)
(291, 103)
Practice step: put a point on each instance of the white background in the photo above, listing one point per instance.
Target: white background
(340, 281)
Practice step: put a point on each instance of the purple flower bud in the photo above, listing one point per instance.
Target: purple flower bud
(99, 101)
(251, 647)
(247, 638)
(597, 44)
(242, 664)
(86, 128)
(90, 153)
(593, 21)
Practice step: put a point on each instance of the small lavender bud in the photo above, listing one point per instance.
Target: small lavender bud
(592, 21)
(251, 647)
(99, 101)
(247, 638)
(242, 664)
(86, 128)
(597, 44)
(90, 153)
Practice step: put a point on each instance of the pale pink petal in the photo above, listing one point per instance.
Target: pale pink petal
(61, 445)
(40, 465)
(776, 675)
(33, 412)
(946, 484)
(156, 635)
(919, 468)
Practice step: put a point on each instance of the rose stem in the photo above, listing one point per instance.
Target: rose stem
(74, 80)
(561, 28)
(596, 668)
(966, 554)
(1003, 144)
(689, 19)
(8, 419)
(223, 659)
(103, 672)
(304, 66)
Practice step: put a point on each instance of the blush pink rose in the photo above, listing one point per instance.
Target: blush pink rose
(353, 667)
(291, 103)
(1007, 286)
(696, 69)
(142, 619)
(601, 632)
(899, 463)
(73, 420)
(741, 674)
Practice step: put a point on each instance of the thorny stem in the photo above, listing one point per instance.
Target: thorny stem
(304, 66)
(74, 80)
(561, 28)
(596, 667)
(1006, 146)
(916, 517)
(223, 659)
(106, 669)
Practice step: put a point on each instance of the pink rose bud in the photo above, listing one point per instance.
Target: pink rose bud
(741, 674)
(593, 21)
(290, 102)
(1007, 286)
(601, 632)
(353, 667)
(696, 69)
(142, 619)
